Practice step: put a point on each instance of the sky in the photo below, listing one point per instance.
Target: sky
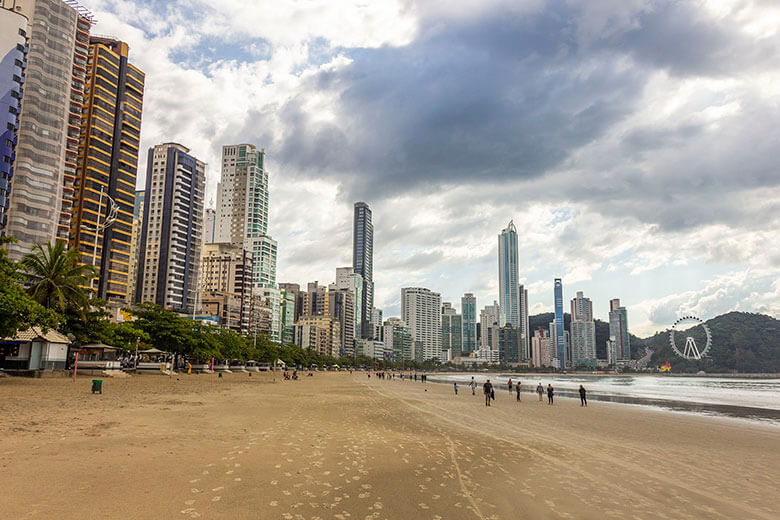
(634, 143)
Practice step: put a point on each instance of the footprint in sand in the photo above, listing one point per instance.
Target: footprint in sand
(237, 479)
(191, 512)
(273, 503)
(423, 506)
(194, 480)
(216, 499)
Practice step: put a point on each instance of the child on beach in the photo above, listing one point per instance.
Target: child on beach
(455, 386)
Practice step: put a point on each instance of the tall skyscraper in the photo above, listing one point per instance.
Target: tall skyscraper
(618, 328)
(13, 61)
(524, 332)
(583, 332)
(363, 262)
(287, 303)
(421, 311)
(468, 306)
(558, 337)
(508, 286)
(451, 330)
(242, 209)
(171, 239)
(107, 165)
(487, 317)
(315, 299)
(39, 207)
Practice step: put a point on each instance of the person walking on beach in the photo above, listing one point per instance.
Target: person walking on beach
(455, 386)
(583, 400)
(550, 393)
(488, 389)
(473, 385)
(540, 390)
(510, 385)
(517, 389)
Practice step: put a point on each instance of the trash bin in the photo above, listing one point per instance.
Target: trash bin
(97, 386)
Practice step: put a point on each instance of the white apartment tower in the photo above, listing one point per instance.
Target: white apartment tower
(583, 332)
(421, 311)
(242, 209)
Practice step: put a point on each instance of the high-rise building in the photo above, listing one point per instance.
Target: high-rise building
(398, 340)
(468, 309)
(421, 311)
(242, 209)
(39, 206)
(541, 349)
(583, 332)
(287, 318)
(347, 278)
(487, 318)
(171, 237)
(341, 306)
(315, 299)
(451, 331)
(295, 289)
(558, 336)
(318, 333)
(135, 243)
(508, 296)
(210, 226)
(107, 165)
(13, 61)
(363, 262)
(273, 295)
(377, 323)
(508, 344)
(226, 271)
(618, 328)
(524, 332)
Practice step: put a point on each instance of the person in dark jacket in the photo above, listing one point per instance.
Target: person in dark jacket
(517, 389)
(550, 394)
(487, 388)
(583, 400)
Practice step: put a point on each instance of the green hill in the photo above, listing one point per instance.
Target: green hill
(741, 342)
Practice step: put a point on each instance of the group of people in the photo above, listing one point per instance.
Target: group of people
(490, 393)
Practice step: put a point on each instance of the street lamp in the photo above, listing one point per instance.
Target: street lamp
(101, 226)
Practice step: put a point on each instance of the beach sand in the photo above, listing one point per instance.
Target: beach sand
(343, 446)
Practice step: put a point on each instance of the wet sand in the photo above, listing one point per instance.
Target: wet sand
(345, 447)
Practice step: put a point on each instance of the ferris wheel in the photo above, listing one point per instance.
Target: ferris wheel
(691, 349)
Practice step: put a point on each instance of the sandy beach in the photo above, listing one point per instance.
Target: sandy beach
(343, 446)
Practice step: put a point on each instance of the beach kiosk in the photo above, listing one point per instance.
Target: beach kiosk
(32, 350)
(96, 356)
(153, 360)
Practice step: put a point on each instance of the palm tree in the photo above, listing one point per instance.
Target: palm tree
(55, 279)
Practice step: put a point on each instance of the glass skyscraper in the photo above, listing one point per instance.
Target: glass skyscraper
(560, 340)
(468, 305)
(508, 287)
(363, 263)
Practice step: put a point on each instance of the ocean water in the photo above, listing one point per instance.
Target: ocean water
(745, 398)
